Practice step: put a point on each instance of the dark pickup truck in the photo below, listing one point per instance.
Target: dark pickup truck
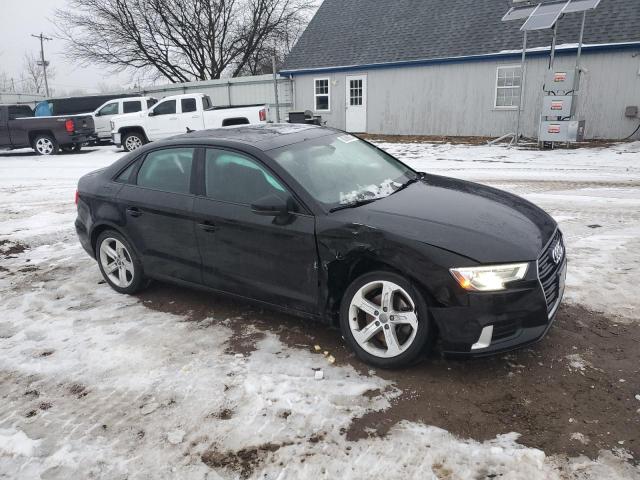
(46, 135)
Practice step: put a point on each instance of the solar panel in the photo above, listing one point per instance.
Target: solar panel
(581, 6)
(518, 13)
(544, 16)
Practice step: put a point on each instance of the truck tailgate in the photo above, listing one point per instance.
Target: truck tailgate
(83, 124)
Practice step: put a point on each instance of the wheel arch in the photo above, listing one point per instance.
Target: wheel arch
(102, 227)
(133, 129)
(341, 273)
(35, 133)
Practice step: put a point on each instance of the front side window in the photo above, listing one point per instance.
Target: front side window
(233, 177)
(165, 108)
(109, 109)
(321, 94)
(508, 84)
(341, 169)
(168, 170)
(188, 105)
(131, 106)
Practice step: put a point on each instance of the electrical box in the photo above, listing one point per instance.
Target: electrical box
(631, 111)
(561, 131)
(561, 81)
(557, 106)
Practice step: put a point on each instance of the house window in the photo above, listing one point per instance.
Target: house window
(508, 84)
(322, 94)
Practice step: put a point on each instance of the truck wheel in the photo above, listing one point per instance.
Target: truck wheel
(45, 145)
(132, 141)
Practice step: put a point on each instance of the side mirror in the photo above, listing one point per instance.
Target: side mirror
(271, 205)
(151, 114)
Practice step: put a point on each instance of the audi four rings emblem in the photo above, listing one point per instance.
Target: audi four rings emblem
(556, 253)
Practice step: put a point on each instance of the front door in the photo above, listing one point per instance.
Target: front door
(162, 121)
(102, 118)
(266, 258)
(158, 212)
(356, 108)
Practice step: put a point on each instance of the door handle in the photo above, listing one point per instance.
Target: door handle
(195, 116)
(134, 211)
(207, 226)
(173, 118)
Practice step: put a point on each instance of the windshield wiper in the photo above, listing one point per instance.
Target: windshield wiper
(355, 204)
(407, 183)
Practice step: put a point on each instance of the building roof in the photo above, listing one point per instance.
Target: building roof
(369, 32)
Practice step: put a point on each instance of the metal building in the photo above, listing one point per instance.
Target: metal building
(436, 67)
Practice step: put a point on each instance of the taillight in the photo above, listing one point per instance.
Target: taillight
(69, 126)
(77, 197)
(263, 115)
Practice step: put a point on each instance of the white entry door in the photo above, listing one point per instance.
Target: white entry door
(356, 111)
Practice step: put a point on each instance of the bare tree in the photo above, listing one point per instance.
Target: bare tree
(32, 78)
(181, 40)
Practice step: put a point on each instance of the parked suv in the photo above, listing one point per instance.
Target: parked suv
(107, 111)
(46, 135)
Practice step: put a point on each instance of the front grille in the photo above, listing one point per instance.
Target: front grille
(548, 269)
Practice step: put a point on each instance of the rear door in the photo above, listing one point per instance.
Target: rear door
(190, 117)
(102, 118)
(158, 207)
(163, 120)
(260, 257)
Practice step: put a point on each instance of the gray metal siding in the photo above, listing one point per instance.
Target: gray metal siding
(458, 98)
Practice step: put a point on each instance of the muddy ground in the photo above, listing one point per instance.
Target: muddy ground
(573, 393)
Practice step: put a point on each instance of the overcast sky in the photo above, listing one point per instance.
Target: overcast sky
(21, 18)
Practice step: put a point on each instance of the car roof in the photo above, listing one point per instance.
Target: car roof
(264, 136)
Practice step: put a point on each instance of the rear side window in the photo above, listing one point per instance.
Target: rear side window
(188, 105)
(131, 106)
(19, 111)
(233, 177)
(168, 170)
(165, 108)
(125, 176)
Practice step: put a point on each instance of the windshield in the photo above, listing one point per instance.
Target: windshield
(341, 169)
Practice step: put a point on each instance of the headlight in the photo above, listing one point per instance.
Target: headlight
(487, 279)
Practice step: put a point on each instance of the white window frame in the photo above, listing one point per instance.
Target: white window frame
(496, 88)
(316, 95)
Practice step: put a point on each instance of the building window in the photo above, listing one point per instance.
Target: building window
(508, 84)
(322, 94)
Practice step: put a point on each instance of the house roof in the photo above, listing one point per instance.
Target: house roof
(346, 33)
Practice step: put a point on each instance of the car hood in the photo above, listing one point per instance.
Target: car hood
(482, 223)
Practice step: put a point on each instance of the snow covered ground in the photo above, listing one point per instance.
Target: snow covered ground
(97, 385)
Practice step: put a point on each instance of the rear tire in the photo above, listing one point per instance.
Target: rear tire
(44, 144)
(119, 264)
(133, 141)
(385, 320)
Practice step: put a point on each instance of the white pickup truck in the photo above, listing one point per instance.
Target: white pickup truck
(179, 114)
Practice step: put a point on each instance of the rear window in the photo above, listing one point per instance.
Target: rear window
(206, 102)
(19, 111)
(131, 106)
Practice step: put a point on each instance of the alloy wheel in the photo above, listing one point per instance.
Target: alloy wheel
(133, 142)
(116, 262)
(44, 146)
(382, 319)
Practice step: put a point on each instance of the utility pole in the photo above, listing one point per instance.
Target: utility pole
(42, 61)
(275, 85)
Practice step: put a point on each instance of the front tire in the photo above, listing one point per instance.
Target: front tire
(133, 141)
(385, 320)
(120, 266)
(44, 144)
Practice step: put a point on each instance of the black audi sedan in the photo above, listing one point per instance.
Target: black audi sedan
(325, 225)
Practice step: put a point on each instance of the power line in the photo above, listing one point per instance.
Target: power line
(43, 62)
